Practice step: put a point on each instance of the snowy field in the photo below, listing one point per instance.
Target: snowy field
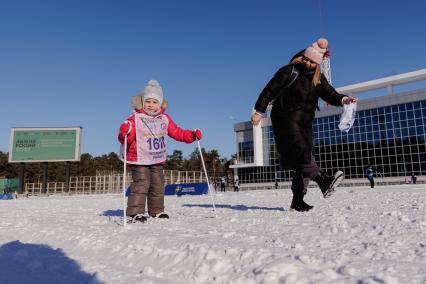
(357, 236)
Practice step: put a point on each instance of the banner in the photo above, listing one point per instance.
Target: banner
(6, 196)
(187, 189)
(183, 189)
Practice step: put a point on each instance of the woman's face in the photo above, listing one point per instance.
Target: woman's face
(309, 63)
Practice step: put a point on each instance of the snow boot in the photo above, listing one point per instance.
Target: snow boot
(138, 218)
(327, 184)
(161, 215)
(299, 205)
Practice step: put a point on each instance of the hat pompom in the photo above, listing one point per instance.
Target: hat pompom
(153, 83)
(322, 43)
(317, 50)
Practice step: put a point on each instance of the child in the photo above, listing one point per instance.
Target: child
(146, 131)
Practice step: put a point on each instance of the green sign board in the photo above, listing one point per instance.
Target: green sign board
(8, 185)
(44, 144)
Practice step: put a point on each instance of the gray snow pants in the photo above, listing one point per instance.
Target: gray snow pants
(302, 175)
(148, 183)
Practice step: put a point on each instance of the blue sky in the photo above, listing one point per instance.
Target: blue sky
(78, 63)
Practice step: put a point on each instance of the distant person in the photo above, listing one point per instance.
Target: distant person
(146, 130)
(295, 91)
(413, 178)
(276, 185)
(407, 180)
(222, 184)
(236, 185)
(370, 172)
(215, 184)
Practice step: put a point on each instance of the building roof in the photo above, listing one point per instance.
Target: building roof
(390, 98)
(385, 82)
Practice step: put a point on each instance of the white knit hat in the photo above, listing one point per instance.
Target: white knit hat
(154, 91)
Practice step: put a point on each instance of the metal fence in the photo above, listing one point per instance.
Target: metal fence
(101, 184)
(379, 181)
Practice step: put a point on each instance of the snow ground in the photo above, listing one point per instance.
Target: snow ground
(359, 235)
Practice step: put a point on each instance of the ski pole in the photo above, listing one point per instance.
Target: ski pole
(124, 179)
(207, 177)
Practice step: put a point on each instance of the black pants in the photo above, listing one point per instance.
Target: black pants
(371, 182)
(302, 175)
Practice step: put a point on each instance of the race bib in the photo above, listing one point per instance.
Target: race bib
(151, 135)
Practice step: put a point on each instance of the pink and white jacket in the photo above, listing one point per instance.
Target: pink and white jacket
(146, 141)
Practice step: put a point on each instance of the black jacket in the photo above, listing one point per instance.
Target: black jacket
(293, 112)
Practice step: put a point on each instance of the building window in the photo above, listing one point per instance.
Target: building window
(392, 138)
(246, 152)
(270, 156)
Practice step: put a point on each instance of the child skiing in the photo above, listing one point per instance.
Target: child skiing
(146, 129)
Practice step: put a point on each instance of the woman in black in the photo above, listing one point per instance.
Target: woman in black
(294, 91)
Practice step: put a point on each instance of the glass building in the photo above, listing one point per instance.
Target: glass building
(389, 133)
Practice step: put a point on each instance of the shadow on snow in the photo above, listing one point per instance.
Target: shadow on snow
(235, 207)
(113, 213)
(37, 263)
(240, 207)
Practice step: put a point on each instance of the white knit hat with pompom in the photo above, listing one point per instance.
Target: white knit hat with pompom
(154, 91)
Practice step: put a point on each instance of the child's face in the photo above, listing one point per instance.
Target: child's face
(151, 105)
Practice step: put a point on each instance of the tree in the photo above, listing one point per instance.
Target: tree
(108, 164)
(175, 161)
(194, 161)
(215, 165)
(111, 164)
(86, 166)
(7, 170)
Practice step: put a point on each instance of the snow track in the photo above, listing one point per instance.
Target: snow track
(359, 235)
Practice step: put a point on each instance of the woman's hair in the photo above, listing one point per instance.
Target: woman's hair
(317, 75)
